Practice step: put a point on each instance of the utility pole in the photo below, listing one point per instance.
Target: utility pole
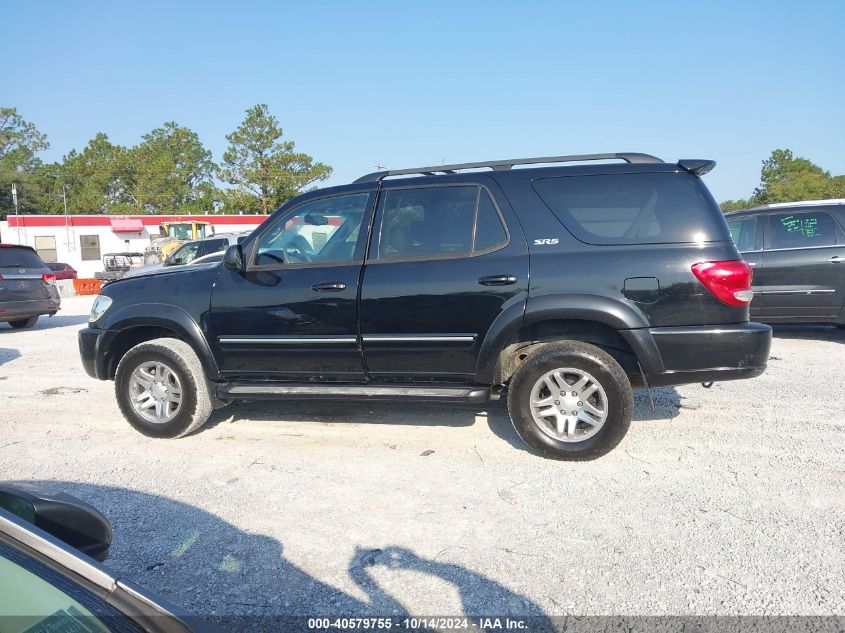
(15, 201)
(64, 196)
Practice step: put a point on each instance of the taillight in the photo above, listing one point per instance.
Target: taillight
(50, 279)
(729, 281)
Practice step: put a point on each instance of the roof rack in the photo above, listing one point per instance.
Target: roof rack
(504, 165)
(800, 203)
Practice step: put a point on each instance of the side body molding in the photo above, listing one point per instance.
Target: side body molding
(165, 316)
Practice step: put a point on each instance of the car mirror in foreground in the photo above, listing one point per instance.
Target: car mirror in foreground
(67, 518)
(234, 258)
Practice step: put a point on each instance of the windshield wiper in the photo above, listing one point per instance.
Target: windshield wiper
(12, 266)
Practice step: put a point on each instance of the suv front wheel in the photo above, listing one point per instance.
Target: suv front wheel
(161, 390)
(570, 400)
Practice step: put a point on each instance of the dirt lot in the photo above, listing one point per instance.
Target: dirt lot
(724, 501)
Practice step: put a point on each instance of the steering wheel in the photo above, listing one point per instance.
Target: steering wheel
(299, 248)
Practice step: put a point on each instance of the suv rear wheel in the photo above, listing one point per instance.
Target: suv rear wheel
(161, 390)
(570, 401)
(24, 323)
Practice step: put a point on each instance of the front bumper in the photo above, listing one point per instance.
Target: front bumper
(90, 343)
(710, 353)
(12, 310)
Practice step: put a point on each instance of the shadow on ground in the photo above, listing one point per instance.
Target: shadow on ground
(809, 333)
(8, 354)
(48, 323)
(242, 581)
(419, 414)
(667, 403)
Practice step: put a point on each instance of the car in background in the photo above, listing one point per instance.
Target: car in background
(27, 287)
(50, 579)
(62, 271)
(797, 251)
(193, 252)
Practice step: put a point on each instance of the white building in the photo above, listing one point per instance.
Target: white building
(82, 240)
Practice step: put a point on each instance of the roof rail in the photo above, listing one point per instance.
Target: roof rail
(504, 165)
(800, 203)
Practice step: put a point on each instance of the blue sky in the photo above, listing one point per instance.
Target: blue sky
(405, 84)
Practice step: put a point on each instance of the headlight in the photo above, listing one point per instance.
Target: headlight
(101, 304)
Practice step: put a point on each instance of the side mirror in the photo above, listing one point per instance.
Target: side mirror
(234, 258)
(65, 517)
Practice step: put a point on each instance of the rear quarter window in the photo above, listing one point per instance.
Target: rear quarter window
(19, 257)
(660, 208)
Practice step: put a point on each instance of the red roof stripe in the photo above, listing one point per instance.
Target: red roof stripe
(147, 220)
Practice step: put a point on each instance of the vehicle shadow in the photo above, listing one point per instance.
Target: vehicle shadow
(809, 333)
(419, 414)
(242, 581)
(667, 403)
(49, 323)
(8, 354)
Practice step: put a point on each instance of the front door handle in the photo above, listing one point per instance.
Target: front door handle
(836, 259)
(497, 280)
(329, 286)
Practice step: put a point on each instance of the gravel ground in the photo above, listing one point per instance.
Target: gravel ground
(724, 501)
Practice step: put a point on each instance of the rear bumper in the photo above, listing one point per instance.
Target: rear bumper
(13, 310)
(90, 341)
(710, 353)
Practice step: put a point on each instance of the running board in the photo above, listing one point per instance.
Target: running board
(279, 391)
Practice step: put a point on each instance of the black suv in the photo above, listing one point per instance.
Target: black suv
(797, 250)
(27, 287)
(561, 284)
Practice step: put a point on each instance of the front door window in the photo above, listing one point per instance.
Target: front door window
(321, 231)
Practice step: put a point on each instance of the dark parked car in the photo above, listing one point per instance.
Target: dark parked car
(27, 287)
(62, 271)
(50, 579)
(797, 250)
(561, 285)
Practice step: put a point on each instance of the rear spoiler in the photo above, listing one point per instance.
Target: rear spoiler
(696, 166)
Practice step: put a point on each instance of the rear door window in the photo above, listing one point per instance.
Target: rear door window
(744, 233)
(801, 230)
(19, 257)
(440, 221)
(656, 208)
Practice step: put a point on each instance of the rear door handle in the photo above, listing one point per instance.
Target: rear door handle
(329, 286)
(836, 259)
(497, 280)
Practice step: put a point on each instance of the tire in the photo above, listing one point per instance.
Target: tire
(186, 376)
(22, 324)
(584, 435)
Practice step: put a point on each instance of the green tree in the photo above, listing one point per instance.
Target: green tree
(96, 180)
(168, 171)
(265, 169)
(20, 143)
(734, 205)
(786, 178)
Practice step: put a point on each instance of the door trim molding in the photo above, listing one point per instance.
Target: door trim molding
(411, 338)
(798, 292)
(285, 340)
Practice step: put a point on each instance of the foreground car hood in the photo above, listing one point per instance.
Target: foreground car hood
(158, 269)
(143, 270)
